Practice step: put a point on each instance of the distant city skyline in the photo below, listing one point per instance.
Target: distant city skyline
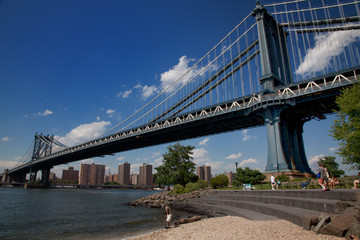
(94, 174)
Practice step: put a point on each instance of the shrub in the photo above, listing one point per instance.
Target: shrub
(283, 178)
(178, 188)
(201, 184)
(219, 181)
(190, 187)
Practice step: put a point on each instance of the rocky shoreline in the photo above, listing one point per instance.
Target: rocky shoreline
(165, 197)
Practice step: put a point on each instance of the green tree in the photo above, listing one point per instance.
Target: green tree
(332, 166)
(247, 175)
(177, 166)
(283, 178)
(346, 128)
(219, 181)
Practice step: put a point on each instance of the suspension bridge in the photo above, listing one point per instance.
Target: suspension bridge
(283, 65)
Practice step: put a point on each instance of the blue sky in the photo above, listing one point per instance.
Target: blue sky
(74, 69)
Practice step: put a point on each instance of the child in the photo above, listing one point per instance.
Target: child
(356, 181)
(168, 215)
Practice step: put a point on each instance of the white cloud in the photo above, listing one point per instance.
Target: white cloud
(137, 86)
(120, 158)
(200, 156)
(248, 161)
(157, 162)
(47, 112)
(83, 133)
(234, 156)
(87, 161)
(203, 142)
(327, 46)
(148, 91)
(97, 118)
(215, 166)
(112, 114)
(313, 160)
(174, 77)
(110, 111)
(176, 72)
(155, 154)
(333, 149)
(125, 94)
(245, 135)
(5, 139)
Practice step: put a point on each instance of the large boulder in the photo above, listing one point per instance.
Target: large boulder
(340, 225)
(354, 230)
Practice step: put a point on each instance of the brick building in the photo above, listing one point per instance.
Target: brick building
(145, 175)
(204, 173)
(92, 174)
(124, 173)
(70, 175)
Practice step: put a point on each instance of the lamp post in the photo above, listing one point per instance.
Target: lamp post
(236, 165)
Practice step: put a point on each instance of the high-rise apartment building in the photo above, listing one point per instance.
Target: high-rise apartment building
(134, 179)
(92, 174)
(204, 173)
(70, 175)
(124, 173)
(208, 175)
(200, 172)
(145, 175)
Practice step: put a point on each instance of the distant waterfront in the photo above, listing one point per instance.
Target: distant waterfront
(74, 214)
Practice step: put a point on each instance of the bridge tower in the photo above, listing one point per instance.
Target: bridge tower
(275, 64)
(42, 148)
(286, 151)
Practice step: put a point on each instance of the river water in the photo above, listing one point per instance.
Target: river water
(74, 214)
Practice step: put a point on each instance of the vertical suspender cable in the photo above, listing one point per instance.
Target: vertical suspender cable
(314, 19)
(232, 74)
(248, 64)
(301, 26)
(291, 41)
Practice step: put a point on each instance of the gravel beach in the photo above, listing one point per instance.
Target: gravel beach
(230, 227)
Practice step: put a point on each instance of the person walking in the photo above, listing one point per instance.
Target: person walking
(273, 183)
(324, 177)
